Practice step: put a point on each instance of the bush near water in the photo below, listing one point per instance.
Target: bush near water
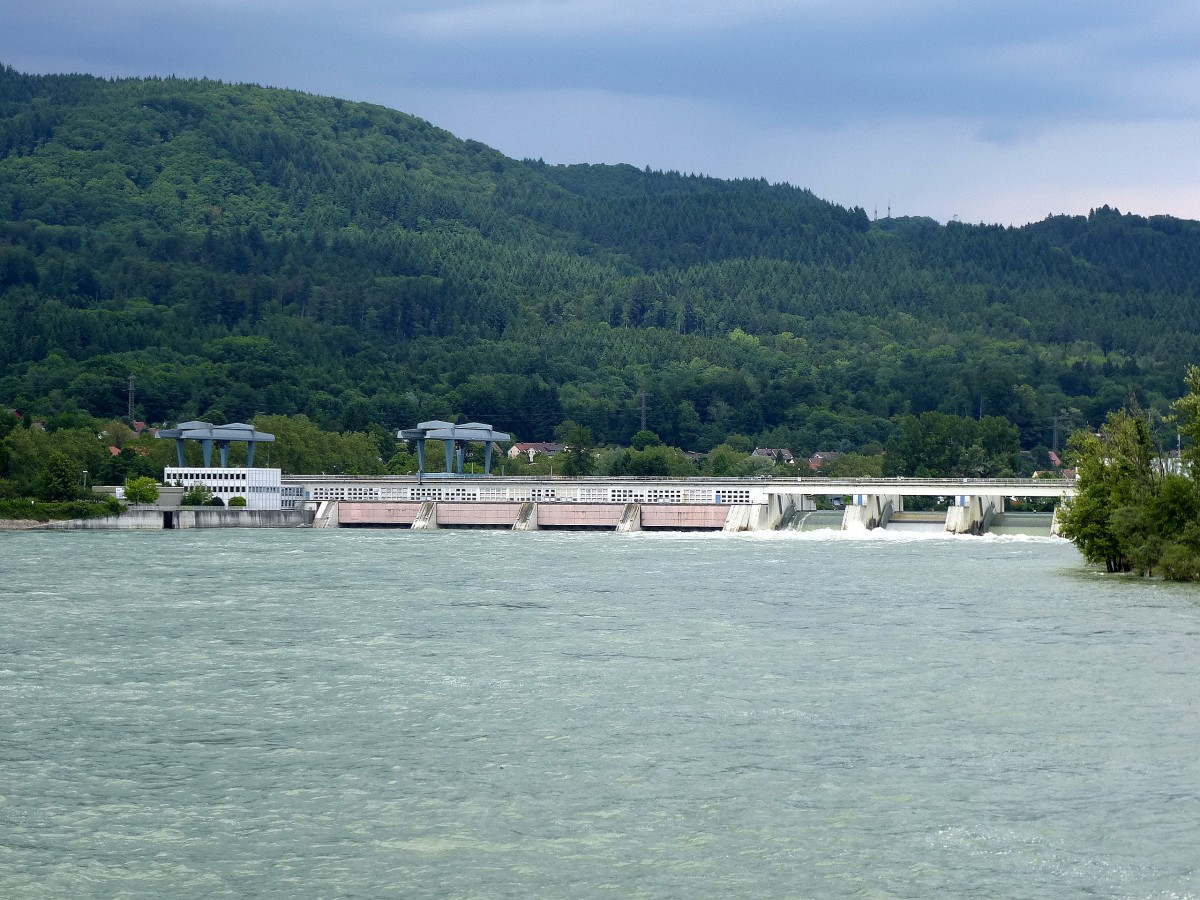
(1131, 511)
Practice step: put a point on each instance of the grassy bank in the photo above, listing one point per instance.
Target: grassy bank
(26, 509)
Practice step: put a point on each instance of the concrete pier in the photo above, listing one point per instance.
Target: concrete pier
(745, 517)
(631, 518)
(526, 518)
(870, 511)
(972, 514)
(327, 515)
(426, 518)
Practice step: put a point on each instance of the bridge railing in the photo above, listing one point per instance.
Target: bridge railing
(730, 489)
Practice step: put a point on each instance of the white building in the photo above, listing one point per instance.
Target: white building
(260, 487)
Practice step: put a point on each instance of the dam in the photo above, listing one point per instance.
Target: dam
(972, 506)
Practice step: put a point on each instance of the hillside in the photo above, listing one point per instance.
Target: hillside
(242, 250)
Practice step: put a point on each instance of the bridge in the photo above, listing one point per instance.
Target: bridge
(630, 504)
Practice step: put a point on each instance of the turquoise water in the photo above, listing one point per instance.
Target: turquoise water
(484, 714)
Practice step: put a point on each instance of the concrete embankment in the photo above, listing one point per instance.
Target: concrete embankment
(156, 519)
(22, 524)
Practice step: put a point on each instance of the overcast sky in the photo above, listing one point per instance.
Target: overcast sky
(998, 111)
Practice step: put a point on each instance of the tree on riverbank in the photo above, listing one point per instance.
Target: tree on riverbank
(1132, 511)
(141, 490)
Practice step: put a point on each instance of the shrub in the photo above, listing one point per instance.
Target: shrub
(37, 510)
(197, 495)
(142, 489)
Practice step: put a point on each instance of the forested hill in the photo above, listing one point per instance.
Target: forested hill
(243, 250)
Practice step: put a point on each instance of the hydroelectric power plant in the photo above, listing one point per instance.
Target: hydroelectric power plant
(453, 499)
(972, 506)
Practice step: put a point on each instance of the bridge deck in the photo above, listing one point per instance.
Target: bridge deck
(656, 490)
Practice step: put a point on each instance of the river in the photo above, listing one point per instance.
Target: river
(337, 713)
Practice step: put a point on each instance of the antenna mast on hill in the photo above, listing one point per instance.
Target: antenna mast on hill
(130, 399)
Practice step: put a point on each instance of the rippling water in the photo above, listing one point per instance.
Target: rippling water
(483, 714)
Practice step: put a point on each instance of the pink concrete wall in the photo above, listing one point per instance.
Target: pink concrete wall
(550, 515)
(481, 514)
(683, 516)
(377, 513)
(567, 515)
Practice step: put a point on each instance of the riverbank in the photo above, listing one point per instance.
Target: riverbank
(159, 519)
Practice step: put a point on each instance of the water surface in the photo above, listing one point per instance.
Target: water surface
(339, 713)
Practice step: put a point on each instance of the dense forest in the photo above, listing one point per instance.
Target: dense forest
(243, 251)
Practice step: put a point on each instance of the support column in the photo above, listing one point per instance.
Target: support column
(973, 514)
(746, 517)
(631, 518)
(527, 517)
(426, 519)
(781, 508)
(869, 511)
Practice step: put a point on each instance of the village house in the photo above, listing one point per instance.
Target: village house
(531, 450)
(821, 458)
(776, 455)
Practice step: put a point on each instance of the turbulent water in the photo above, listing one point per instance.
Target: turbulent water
(339, 713)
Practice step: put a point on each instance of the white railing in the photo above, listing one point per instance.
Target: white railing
(541, 489)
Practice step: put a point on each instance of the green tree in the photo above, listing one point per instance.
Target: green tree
(1113, 473)
(578, 460)
(659, 461)
(1126, 511)
(59, 480)
(935, 443)
(724, 461)
(402, 463)
(196, 495)
(644, 439)
(1187, 419)
(854, 465)
(141, 490)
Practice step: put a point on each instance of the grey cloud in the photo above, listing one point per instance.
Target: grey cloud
(1002, 76)
(1016, 61)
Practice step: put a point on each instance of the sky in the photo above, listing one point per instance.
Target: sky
(994, 111)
